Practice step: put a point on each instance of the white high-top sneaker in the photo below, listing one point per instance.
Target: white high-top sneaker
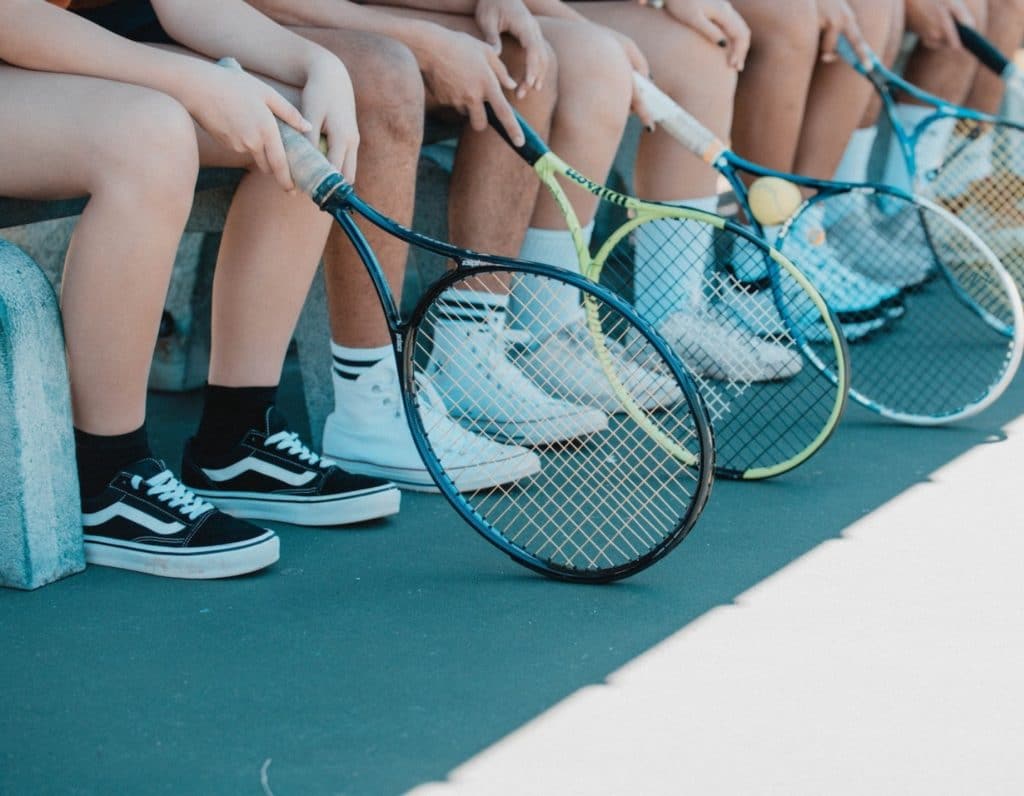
(368, 433)
(585, 381)
(472, 372)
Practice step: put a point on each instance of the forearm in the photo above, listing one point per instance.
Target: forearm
(418, 35)
(232, 27)
(38, 36)
(465, 7)
(554, 8)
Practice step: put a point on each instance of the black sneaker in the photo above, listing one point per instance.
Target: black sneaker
(271, 475)
(147, 521)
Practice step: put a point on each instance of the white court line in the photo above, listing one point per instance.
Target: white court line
(889, 661)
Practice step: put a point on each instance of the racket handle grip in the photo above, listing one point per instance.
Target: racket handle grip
(677, 122)
(531, 151)
(845, 51)
(982, 49)
(308, 167)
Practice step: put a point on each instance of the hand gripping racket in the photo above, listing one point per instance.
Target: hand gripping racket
(600, 493)
(993, 60)
(775, 380)
(934, 324)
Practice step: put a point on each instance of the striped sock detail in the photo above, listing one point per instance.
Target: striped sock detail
(351, 363)
(469, 306)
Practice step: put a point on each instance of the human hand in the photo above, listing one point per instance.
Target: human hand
(719, 23)
(836, 18)
(328, 102)
(495, 17)
(464, 73)
(240, 111)
(934, 21)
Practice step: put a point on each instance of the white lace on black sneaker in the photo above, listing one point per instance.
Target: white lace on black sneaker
(289, 442)
(168, 489)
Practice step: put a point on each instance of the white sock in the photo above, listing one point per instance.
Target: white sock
(854, 165)
(538, 305)
(460, 312)
(671, 256)
(348, 364)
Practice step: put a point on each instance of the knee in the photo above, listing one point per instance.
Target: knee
(795, 32)
(388, 88)
(148, 149)
(595, 76)
(876, 19)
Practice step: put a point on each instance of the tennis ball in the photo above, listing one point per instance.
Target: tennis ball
(773, 199)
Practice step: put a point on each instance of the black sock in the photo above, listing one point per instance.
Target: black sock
(100, 458)
(229, 413)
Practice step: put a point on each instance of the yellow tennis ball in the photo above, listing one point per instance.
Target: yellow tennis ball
(773, 199)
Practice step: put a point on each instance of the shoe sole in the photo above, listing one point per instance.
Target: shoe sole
(296, 510)
(469, 479)
(202, 563)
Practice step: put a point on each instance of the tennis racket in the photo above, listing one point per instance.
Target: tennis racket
(993, 60)
(609, 492)
(776, 385)
(939, 335)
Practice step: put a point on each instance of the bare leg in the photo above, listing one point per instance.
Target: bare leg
(595, 87)
(839, 97)
(1005, 29)
(772, 92)
(888, 54)
(694, 73)
(134, 152)
(389, 103)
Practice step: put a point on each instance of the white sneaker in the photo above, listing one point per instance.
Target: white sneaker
(714, 348)
(479, 385)
(370, 435)
(758, 312)
(586, 382)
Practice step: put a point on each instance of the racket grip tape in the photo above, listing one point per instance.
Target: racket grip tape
(982, 49)
(308, 167)
(531, 151)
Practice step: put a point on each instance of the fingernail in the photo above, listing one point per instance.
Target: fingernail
(722, 42)
(650, 128)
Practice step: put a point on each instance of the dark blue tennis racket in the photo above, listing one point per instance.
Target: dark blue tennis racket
(591, 493)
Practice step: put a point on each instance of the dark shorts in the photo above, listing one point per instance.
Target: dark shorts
(133, 19)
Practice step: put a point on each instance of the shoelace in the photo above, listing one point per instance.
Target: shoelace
(168, 489)
(289, 442)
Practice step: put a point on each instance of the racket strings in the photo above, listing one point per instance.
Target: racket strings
(949, 342)
(760, 348)
(525, 368)
(981, 181)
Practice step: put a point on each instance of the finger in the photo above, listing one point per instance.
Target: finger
(348, 163)
(829, 42)
(501, 72)
(643, 112)
(507, 117)
(738, 33)
(488, 22)
(536, 62)
(950, 37)
(963, 14)
(477, 116)
(256, 149)
(639, 61)
(316, 118)
(287, 112)
(276, 159)
(710, 31)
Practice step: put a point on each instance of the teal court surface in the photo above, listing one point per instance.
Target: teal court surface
(856, 626)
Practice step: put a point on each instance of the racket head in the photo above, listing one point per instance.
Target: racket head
(768, 356)
(979, 178)
(954, 343)
(599, 493)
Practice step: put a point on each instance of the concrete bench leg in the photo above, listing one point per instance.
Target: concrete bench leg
(40, 515)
